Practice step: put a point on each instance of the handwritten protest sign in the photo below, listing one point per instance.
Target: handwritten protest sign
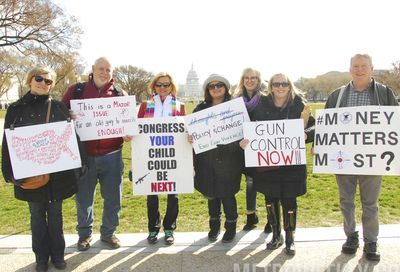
(274, 143)
(43, 149)
(162, 158)
(221, 124)
(100, 118)
(357, 140)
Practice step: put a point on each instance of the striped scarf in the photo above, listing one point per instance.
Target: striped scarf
(169, 103)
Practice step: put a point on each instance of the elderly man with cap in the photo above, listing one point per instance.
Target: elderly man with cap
(218, 171)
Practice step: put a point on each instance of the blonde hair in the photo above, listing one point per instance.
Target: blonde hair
(37, 71)
(240, 87)
(293, 90)
(151, 87)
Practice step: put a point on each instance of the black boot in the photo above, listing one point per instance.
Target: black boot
(274, 219)
(268, 228)
(215, 226)
(289, 225)
(252, 220)
(230, 232)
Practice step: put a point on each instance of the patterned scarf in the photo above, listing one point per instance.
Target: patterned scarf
(253, 102)
(158, 108)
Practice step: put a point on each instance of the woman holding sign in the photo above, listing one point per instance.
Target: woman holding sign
(44, 200)
(162, 104)
(282, 183)
(250, 88)
(218, 171)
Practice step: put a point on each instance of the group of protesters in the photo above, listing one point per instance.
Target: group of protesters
(218, 171)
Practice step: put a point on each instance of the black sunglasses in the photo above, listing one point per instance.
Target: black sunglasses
(165, 85)
(218, 85)
(46, 81)
(277, 84)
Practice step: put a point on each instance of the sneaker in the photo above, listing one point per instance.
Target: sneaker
(41, 267)
(169, 237)
(152, 238)
(351, 245)
(372, 252)
(112, 241)
(84, 243)
(60, 265)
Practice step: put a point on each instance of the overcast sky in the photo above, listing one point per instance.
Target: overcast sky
(299, 38)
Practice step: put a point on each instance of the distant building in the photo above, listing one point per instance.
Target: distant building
(191, 91)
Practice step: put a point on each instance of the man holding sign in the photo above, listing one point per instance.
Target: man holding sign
(363, 90)
(105, 164)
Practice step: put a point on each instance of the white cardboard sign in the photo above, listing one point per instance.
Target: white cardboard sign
(101, 118)
(357, 140)
(220, 124)
(275, 143)
(162, 157)
(43, 149)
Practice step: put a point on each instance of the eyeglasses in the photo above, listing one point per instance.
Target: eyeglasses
(250, 78)
(277, 84)
(163, 85)
(46, 81)
(213, 86)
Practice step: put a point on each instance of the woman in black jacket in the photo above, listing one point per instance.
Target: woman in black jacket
(250, 88)
(218, 171)
(282, 184)
(45, 203)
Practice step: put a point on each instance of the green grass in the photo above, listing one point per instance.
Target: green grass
(319, 207)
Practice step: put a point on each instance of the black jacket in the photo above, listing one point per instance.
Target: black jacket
(282, 181)
(379, 95)
(218, 171)
(31, 110)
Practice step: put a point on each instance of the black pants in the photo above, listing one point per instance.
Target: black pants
(153, 213)
(229, 205)
(47, 231)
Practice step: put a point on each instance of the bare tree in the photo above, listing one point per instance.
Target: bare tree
(133, 80)
(391, 78)
(6, 71)
(318, 88)
(68, 67)
(29, 24)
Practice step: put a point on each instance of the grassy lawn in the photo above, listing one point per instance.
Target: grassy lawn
(319, 207)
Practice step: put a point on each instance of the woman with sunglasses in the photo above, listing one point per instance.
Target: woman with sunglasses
(163, 103)
(45, 203)
(218, 171)
(250, 88)
(285, 183)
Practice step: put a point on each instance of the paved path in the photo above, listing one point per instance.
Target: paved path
(318, 249)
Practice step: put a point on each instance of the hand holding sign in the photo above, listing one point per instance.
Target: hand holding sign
(305, 114)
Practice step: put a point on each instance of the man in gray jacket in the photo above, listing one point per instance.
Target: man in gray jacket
(362, 90)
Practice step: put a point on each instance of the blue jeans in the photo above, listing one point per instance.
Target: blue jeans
(251, 195)
(47, 231)
(108, 170)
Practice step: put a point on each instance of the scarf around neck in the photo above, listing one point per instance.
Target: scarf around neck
(158, 108)
(253, 102)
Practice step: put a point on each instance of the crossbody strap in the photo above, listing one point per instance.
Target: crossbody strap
(340, 96)
(48, 111)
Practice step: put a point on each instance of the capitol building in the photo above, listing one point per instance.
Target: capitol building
(192, 90)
